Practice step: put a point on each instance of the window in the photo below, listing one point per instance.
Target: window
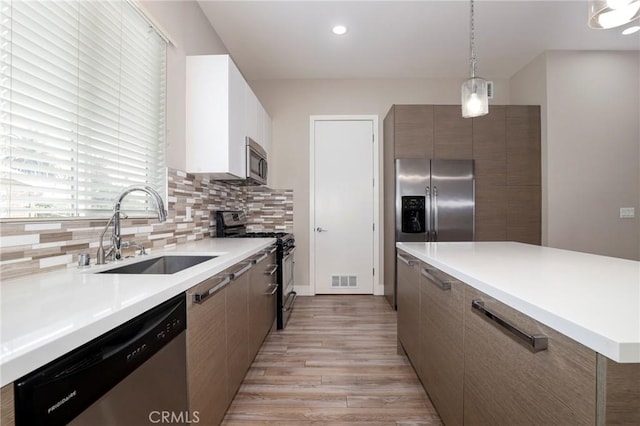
(82, 111)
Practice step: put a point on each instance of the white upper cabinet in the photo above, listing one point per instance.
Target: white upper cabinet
(251, 108)
(258, 121)
(265, 141)
(221, 111)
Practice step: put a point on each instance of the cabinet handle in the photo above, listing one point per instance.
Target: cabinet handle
(405, 260)
(241, 271)
(200, 297)
(272, 270)
(272, 249)
(442, 285)
(262, 257)
(535, 342)
(273, 288)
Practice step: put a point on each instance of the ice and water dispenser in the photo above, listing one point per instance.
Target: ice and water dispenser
(413, 214)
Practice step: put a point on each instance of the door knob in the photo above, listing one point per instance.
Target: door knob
(320, 229)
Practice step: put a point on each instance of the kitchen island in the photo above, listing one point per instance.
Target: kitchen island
(554, 334)
(44, 316)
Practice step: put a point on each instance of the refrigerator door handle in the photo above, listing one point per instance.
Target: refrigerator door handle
(427, 191)
(435, 214)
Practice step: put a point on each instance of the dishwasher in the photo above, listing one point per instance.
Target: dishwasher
(134, 374)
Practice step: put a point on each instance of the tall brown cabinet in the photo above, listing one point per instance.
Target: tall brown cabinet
(505, 145)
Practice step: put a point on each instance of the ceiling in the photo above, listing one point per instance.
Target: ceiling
(400, 39)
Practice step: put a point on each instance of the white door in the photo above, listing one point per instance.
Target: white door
(343, 203)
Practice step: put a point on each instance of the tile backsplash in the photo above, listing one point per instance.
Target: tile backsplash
(269, 210)
(39, 246)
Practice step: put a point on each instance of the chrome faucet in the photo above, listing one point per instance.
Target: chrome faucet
(115, 218)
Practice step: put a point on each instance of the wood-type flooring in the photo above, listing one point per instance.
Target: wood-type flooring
(336, 363)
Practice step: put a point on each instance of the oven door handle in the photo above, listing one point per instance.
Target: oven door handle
(290, 301)
(289, 253)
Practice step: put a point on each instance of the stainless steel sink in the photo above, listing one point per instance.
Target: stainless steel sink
(160, 265)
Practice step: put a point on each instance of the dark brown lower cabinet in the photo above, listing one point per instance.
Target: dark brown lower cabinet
(408, 299)
(7, 413)
(507, 383)
(441, 341)
(237, 332)
(478, 370)
(206, 352)
(262, 308)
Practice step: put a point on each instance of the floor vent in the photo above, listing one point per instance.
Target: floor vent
(344, 281)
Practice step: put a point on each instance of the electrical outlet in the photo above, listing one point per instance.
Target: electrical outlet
(627, 212)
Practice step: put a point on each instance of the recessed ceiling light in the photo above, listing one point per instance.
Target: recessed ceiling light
(339, 30)
(631, 30)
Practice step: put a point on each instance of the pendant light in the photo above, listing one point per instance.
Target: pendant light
(604, 14)
(475, 99)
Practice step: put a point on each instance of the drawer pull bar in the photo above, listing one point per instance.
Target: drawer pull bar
(535, 342)
(200, 297)
(406, 261)
(260, 259)
(442, 285)
(241, 271)
(272, 289)
(272, 249)
(272, 270)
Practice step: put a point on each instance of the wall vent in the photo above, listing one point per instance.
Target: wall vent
(490, 89)
(344, 281)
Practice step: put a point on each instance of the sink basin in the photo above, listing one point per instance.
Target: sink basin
(160, 265)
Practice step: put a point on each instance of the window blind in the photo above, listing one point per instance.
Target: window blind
(83, 88)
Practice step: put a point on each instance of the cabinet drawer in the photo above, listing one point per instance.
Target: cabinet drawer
(441, 341)
(506, 382)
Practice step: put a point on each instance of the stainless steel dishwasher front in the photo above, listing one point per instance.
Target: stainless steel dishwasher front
(132, 375)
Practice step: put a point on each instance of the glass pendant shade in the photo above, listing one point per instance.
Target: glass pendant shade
(604, 14)
(475, 99)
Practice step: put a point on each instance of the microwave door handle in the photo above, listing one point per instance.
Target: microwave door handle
(264, 169)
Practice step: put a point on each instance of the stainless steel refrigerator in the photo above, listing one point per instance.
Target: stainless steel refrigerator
(435, 201)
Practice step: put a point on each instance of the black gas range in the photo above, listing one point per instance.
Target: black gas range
(233, 224)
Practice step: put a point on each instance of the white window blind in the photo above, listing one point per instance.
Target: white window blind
(83, 86)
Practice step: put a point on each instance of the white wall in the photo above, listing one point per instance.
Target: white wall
(191, 34)
(291, 102)
(529, 87)
(592, 147)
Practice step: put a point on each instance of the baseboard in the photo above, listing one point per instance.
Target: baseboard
(303, 290)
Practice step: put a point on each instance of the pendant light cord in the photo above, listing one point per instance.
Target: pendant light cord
(472, 43)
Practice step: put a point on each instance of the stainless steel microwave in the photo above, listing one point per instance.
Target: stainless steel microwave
(256, 163)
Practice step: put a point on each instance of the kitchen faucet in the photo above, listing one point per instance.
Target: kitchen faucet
(115, 218)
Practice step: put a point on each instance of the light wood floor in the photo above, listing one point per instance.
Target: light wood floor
(335, 363)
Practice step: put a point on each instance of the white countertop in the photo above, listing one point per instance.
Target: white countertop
(593, 299)
(44, 316)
